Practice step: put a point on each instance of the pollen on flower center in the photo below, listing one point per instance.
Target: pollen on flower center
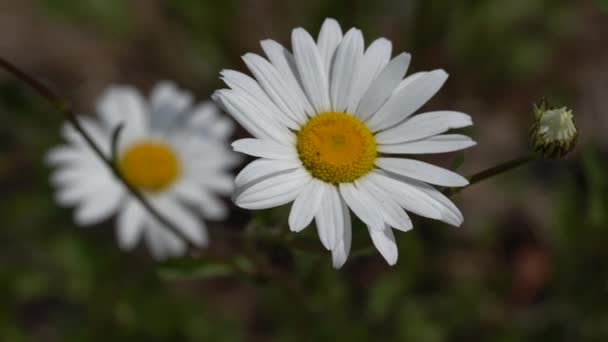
(336, 147)
(149, 165)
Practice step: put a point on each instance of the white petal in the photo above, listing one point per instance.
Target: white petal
(207, 119)
(283, 60)
(274, 191)
(263, 168)
(188, 192)
(212, 207)
(424, 125)
(265, 149)
(167, 104)
(340, 253)
(219, 182)
(124, 104)
(406, 195)
(130, 224)
(449, 212)
(422, 171)
(182, 219)
(437, 144)
(312, 70)
(99, 207)
(329, 217)
(222, 128)
(84, 187)
(162, 242)
(254, 119)
(383, 86)
(277, 88)
(374, 60)
(202, 199)
(405, 101)
(80, 173)
(204, 113)
(384, 240)
(363, 205)
(242, 83)
(306, 205)
(63, 155)
(345, 69)
(329, 38)
(391, 212)
(100, 135)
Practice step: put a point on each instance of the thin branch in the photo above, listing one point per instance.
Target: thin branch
(491, 172)
(62, 107)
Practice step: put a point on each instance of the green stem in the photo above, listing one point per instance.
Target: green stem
(493, 171)
(62, 107)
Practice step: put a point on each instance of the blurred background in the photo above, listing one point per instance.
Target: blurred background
(530, 262)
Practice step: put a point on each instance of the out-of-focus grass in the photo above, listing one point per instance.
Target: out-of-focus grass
(508, 279)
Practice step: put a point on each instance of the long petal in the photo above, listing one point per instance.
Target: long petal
(345, 69)
(94, 209)
(276, 86)
(254, 118)
(167, 104)
(265, 149)
(306, 205)
(329, 38)
(376, 57)
(383, 86)
(391, 212)
(405, 101)
(363, 205)
(423, 126)
(449, 212)
(422, 171)
(384, 240)
(124, 104)
(407, 196)
(192, 227)
(340, 253)
(285, 63)
(329, 217)
(130, 224)
(313, 72)
(274, 191)
(244, 84)
(261, 168)
(442, 143)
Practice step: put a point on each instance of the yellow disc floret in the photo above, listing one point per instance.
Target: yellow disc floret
(149, 165)
(336, 147)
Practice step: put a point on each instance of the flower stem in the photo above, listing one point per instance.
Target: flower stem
(62, 107)
(493, 171)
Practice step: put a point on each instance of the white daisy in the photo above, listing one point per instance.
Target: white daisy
(172, 151)
(327, 121)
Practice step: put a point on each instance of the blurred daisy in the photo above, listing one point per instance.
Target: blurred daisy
(327, 121)
(175, 153)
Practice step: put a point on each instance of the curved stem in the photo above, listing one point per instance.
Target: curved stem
(62, 107)
(493, 171)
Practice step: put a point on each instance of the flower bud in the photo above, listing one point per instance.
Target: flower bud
(553, 134)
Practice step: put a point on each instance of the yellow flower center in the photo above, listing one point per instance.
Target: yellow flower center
(336, 147)
(150, 166)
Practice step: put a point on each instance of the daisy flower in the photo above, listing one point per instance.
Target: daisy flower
(171, 150)
(328, 122)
